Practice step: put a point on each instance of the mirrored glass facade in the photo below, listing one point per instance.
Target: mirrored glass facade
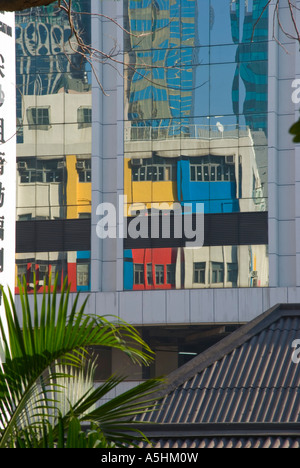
(195, 132)
(54, 119)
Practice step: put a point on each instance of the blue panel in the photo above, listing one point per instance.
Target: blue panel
(217, 197)
(83, 254)
(128, 270)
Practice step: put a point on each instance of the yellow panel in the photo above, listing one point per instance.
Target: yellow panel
(72, 185)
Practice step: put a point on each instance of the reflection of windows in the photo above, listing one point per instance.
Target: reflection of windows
(84, 117)
(149, 274)
(83, 273)
(212, 169)
(153, 170)
(38, 118)
(217, 272)
(20, 131)
(232, 272)
(159, 274)
(43, 273)
(138, 271)
(22, 271)
(84, 167)
(25, 217)
(56, 269)
(34, 170)
(84, 215)
(171, 274)
(199, 272)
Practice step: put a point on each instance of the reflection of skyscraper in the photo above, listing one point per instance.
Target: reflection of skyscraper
(161, 86)
(202, 150)
(45, 56)
(54, 102)
(252, 65)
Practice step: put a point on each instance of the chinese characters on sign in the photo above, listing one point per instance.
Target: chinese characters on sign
(7, 152)
(2, 161)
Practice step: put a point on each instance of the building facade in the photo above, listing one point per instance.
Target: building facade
(194, 119)
(54, 106)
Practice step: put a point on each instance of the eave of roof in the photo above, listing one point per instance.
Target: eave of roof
(212, 430)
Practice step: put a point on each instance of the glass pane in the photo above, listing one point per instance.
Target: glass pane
(149, 274)
(83, 274)
(193, 173)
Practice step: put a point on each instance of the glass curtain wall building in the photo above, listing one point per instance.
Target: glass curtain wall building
(195, 131)
(198, 115)
(54, 118)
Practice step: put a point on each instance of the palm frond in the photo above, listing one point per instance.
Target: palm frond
(30, 381)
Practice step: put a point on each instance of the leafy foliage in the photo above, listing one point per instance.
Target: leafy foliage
(38, 407)
(295, 130)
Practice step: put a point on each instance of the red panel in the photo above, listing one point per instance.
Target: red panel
(155, 257)
(72, 276)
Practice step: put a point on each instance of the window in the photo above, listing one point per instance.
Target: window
(25, 217)
(84, 215)
(199, 272)
(217, 272)
(84, 168)
(149, 274)
(56, 269)
(38, 118)
(232, 272)
(83, 274)
(138, 270)
(22, 271)
(43, 270)
(84, 117)
(171, 269)
(154, 170)
(34, 170)
(159, 274)
(212, 169)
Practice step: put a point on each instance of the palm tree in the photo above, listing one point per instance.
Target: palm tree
(45, 355)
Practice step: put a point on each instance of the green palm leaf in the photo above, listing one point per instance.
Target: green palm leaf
(32, 387)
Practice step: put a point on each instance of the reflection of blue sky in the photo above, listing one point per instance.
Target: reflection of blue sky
(222, 74)
(213, 94)
(218, 29)
(221, 27)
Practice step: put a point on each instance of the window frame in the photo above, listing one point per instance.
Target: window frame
(82, 121)
(37, 122)
(171, 274)
(217, 268)
(211, 169)
(159, 275)
(138, 273)
(198, 272)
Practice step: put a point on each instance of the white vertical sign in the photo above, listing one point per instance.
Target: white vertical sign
(7, 152)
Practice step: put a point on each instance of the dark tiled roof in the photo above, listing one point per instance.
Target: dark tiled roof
(248, 377)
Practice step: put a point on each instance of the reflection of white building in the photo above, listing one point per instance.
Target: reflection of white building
(55, 127)
(56, 124)
(222, 267)
(235, 146)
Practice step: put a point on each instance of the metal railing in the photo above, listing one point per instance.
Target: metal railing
(198, 132)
